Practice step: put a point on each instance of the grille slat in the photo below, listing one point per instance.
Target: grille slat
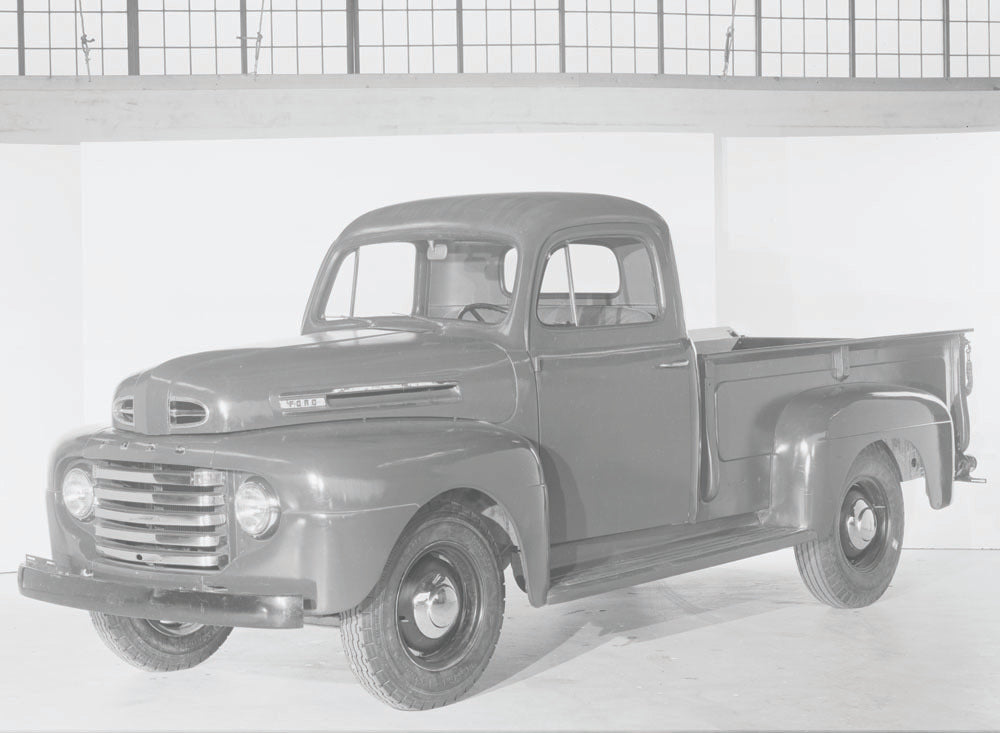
(162, 519)
(161, 516)
(154, 538)
(154, 557)
(159, 498)
(140, 475)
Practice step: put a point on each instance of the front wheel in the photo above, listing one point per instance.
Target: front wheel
(425, 634)
(853, 564)
(159, 646)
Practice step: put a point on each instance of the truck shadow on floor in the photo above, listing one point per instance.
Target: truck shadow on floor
(535, 641)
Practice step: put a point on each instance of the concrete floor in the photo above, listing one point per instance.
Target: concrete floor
(742, 646)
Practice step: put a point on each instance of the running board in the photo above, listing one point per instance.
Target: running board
(674, 558)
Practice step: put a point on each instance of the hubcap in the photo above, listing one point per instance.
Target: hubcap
(865, 524)
(174, 628)
(862, 524)
(436, 605)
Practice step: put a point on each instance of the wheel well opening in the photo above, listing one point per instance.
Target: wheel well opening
(906, 457)
(498, 520)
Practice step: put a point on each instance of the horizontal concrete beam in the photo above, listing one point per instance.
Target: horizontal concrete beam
(71, 110)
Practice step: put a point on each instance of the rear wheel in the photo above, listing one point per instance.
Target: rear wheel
(854, 563)
(159, 646)
(425, 634)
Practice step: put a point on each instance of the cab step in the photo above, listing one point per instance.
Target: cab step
(674, 558)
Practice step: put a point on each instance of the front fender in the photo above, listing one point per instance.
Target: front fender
(821, 431)
(347, 489)
(351, 487)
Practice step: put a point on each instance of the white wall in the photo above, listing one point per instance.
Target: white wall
(200, 245)
(857, 236)
(40, 327)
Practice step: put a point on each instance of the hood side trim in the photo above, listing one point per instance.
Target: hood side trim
(433, 392)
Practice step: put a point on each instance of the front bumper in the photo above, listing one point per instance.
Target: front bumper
(41, 579)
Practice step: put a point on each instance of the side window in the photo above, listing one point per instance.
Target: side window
(595, 269)
(598, 282)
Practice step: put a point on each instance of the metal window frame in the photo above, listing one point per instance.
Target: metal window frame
(352, 44)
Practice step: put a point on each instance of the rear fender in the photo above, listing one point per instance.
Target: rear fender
(821, 431)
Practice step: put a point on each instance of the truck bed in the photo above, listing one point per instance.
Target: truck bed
(745, 382)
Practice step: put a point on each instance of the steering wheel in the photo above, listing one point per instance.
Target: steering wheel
(474, 309)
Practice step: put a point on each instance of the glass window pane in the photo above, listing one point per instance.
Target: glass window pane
(555, 280)
(613, 283)
(509, 269)
(595, 269)
(385, 279)
(339, 304)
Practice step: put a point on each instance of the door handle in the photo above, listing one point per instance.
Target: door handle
(673, 364)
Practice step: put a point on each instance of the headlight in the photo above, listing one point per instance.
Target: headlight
(78, 493)
(256, 507)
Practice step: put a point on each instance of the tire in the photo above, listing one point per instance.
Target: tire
(443, 577)
(854, 563)
(159, 646)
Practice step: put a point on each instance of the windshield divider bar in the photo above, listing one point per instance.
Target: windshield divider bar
(354, 279)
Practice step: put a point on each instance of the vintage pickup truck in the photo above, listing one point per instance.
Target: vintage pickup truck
(483, 382)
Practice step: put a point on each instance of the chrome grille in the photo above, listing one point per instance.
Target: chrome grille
(161, 516)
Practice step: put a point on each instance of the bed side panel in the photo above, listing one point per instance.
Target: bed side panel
(745, 392)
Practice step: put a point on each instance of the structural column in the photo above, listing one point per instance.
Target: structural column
(132, 35)
(243, 37)
(460, 37)
(946, 40)
(851, 34)
(562, 36)
(659, 36)
(20, 37)
(353, 45)
(758, 24)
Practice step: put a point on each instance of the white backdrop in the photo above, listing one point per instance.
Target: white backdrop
(197, 245)
(860, 236)
(40, 331)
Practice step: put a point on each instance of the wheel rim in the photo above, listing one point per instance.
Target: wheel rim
(174, 628)
(438, 606)
(864, 524)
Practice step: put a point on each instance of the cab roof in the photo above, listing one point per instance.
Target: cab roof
(527, 218)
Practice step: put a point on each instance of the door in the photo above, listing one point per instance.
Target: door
(617, 398)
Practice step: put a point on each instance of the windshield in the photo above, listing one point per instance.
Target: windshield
(443, 280)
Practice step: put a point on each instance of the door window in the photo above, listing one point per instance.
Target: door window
(598, 282)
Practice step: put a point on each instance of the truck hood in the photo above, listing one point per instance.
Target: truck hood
(337, 375)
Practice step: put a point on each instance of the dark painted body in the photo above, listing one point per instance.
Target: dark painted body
(602, 453)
